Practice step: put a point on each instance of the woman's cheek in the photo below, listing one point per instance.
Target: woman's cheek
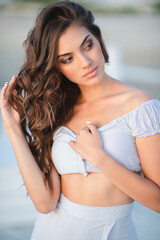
(98, 51)
(71, 73)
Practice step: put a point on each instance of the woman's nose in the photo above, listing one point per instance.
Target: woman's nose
(85, 61)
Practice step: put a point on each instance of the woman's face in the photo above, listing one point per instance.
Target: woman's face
(80, 56)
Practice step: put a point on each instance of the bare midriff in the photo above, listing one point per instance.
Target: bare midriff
(93, 190)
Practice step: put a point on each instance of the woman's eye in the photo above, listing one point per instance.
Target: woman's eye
(89, 45)
(67, 60)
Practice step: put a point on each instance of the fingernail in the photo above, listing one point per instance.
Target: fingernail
(5, 83)
(88, 122)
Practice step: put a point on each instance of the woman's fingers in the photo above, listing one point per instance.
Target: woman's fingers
(13, 80)
(4, 89)
(3, 93)
(11, 84)
(91, 127)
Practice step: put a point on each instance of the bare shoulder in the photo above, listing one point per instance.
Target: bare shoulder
(138, 97)
(133, 96)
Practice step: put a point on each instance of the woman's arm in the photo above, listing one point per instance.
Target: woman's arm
(144, 190)
(32, 174)
(30, 171)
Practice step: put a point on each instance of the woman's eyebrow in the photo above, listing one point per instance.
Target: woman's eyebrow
(85, 39)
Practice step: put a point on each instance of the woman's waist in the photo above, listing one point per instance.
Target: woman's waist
(95, 213)
(93, 190)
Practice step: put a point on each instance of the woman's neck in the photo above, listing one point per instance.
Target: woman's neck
(96, 92)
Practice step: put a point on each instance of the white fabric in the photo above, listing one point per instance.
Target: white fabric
(72, 221)
(118, 139)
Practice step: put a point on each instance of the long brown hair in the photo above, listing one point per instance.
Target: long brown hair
(45, 98)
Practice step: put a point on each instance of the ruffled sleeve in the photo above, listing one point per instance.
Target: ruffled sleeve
(145, 119)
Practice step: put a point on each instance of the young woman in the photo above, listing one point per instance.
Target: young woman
(87, 145)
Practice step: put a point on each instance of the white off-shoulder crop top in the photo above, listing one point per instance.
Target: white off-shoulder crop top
(118, 138)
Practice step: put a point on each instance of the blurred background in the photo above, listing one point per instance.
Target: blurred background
(131, 31)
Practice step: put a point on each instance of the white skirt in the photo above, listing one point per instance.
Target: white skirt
(72, 221)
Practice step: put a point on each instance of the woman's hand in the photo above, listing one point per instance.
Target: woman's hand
(88, 143)
(9, 115)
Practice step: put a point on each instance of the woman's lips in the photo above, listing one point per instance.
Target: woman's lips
(91, 73)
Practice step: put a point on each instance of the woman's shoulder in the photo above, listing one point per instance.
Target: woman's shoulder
(143, 112)
(134, 96)
(138, 97)
(131, 96)
(144, 116)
